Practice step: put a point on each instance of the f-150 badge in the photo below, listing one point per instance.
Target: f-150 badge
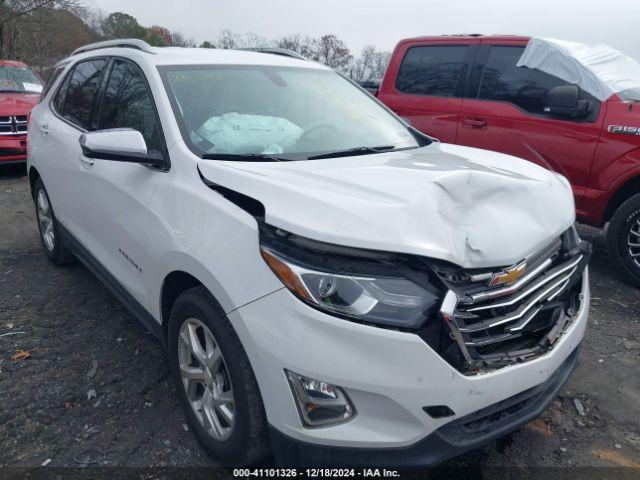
(624, 129)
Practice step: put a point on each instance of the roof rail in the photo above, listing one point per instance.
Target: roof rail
(276, 51)
(121, 42)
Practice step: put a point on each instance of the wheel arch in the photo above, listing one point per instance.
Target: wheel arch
(34, 175)
(175, 283)
(627, 190)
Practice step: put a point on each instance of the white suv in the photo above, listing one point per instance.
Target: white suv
(330, 284)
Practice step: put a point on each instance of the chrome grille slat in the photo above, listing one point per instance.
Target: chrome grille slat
(13, 125)
(522, 310)
(532, 289)
(479, 297)
(503, 325)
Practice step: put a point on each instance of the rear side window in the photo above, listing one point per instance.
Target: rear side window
(52, 79)
(503, 81)
(77, 97)
(432, 70)
(127, 103)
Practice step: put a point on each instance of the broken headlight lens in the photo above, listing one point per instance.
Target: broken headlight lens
(385, 300)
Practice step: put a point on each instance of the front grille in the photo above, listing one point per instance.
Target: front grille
(501, 325)
(13, 125)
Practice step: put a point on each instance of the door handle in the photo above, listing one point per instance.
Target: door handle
(86, 160)
(44, 128)
(475, 122)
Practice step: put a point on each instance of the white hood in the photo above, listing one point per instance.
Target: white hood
(472, 207)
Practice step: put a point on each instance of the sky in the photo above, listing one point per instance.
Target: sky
(383, 22)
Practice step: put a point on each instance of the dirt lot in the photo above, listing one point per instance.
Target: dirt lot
(96, 391)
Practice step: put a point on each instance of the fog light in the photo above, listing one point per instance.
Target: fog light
(320, 404)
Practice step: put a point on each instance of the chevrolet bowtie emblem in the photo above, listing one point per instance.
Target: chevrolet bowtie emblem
(509, 276)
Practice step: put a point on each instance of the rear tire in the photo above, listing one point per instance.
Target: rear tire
(215, 382)
(49, 228)
(623, 239)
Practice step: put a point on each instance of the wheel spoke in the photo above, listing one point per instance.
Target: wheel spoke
(225, 413)
(223, 398)
(196, 347)
(192, 373)
(214, 361)
(211, 421)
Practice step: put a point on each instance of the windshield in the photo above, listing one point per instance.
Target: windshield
(19, 79)
(291, 113)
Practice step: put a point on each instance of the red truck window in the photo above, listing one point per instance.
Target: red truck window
(503, 81)
(432, 70)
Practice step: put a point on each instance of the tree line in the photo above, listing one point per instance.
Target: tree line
(42, 32)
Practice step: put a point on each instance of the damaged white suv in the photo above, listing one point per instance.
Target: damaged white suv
(330, 284)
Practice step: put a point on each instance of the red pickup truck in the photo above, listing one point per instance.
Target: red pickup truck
(470, 90)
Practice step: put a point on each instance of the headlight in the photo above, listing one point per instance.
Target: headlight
(381, 298)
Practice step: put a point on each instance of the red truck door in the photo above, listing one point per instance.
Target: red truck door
(505, 113)
(425, 82)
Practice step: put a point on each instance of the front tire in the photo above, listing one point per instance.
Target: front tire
(214, 380)
(623, 239)
(49, 228)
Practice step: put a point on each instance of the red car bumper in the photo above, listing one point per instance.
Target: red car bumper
(13, 149)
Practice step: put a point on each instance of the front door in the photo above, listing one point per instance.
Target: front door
(116, 209)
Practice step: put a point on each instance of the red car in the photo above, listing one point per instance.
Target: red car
(474, 90)
(20, 89)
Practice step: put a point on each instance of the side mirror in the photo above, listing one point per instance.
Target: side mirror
(119, 145)
(564, 101)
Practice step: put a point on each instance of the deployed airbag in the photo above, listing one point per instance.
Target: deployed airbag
(598, 69)
(243, 133)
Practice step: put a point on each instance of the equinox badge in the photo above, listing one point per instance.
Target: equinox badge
(509, 276)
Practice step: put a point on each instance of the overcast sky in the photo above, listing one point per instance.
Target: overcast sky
(384, 22)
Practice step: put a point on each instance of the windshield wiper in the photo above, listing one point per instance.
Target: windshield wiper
(242, 157)
(350, 152)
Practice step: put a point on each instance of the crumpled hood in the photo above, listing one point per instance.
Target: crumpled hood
(472, 207)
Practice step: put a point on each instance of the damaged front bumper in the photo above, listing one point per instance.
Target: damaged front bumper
(393, 378)
(455, 438)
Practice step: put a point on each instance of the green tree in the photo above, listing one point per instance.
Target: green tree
(207, 44)
(122, 25)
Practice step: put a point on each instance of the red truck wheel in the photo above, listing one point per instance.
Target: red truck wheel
(623, 239)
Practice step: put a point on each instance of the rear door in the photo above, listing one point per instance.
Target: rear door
(425, 83)
(59, 133)
(506, 114)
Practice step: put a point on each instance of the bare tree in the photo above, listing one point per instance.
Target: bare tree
(333, 52)
(228, 39)
(47, 35)
(361, 67)
(380, 63)
(304, 45)
(179, 40)
(12, 10)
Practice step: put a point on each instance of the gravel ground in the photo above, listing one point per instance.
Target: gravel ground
(96, 390)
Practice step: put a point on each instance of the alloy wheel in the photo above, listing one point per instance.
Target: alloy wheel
(206, 379)
(633, 242)
(45, 219)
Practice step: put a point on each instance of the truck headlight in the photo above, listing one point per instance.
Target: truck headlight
(384, 299)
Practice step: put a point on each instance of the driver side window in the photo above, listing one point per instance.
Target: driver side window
(503, 81)
(127, 103)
